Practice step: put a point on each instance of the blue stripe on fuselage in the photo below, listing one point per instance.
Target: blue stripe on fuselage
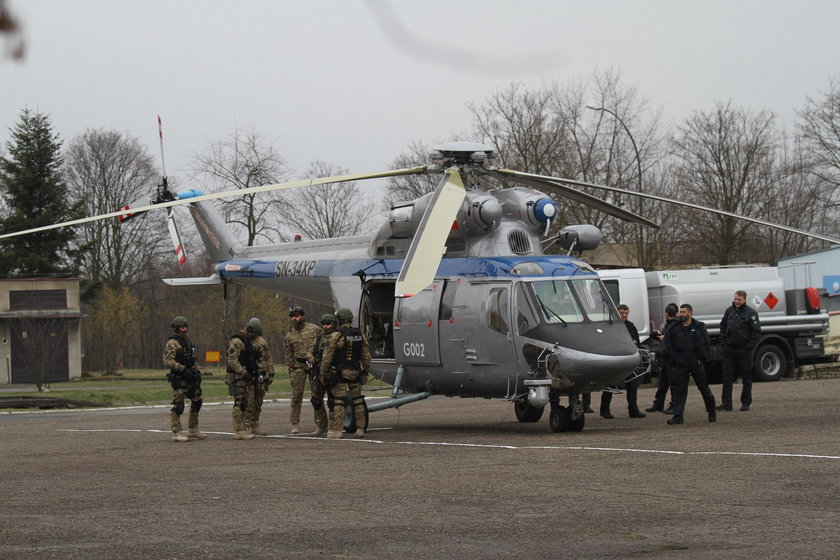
(488, 267)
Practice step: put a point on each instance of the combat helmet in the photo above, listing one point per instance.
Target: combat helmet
(179, 321)
(329, 319)
(344, 315)
(254, 326)
(296, 310)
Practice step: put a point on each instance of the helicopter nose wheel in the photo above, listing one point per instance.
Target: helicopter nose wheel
(559, 419)
(567, 419)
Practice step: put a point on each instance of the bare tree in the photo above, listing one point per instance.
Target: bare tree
(819, 128)
(113, 326)
(410, 187)
(240, 160)
(616, 141)
(106, 169)
(594, 130)
(324, 211)
(796, 198)
(726, 160)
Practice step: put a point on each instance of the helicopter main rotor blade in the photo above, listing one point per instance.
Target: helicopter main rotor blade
(556, 186)
(429, 242)
(699, 207)
(226, 194)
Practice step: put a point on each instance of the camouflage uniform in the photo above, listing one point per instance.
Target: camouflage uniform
(242, 364)
(265, 368)
(297, 346)
(317, 386)
(347, 352)
(179, 358)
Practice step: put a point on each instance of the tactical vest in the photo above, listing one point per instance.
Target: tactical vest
(186, 354)
(249, 357)
(349, 356)
(317, 352)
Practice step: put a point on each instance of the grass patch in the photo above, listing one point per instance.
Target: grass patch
(139, 387)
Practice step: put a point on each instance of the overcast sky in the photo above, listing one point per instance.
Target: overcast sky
(353, 82)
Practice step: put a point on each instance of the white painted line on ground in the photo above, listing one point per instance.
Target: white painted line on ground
(494, 446)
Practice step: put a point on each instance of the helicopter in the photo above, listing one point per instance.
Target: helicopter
(454, 292)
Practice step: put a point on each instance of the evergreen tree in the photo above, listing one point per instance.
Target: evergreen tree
(34, 194)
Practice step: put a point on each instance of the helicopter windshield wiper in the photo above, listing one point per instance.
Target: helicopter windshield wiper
(550, 313)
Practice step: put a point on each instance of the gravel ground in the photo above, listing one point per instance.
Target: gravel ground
(445, 478)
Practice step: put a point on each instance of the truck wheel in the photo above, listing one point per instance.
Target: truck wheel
(769, 363)
(525, 412)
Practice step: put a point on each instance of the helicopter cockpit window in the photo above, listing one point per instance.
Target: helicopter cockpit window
(556, 303)
(497, 310)
(595, 301)
(526, 318)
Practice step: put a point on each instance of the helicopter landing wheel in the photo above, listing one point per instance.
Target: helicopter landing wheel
(560, 420)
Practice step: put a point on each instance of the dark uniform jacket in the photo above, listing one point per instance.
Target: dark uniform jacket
(634, 333)
(740, 328)
(687, 345)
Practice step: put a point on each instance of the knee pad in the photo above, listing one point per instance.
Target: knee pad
(358, 401)
(241, 404)
(195, 406)
(317, 404)
(330, 402)
(178, 408)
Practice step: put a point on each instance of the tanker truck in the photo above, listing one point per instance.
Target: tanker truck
(793, 322)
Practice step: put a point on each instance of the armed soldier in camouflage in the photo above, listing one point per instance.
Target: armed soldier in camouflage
(243, 361)
(297, 345)
(344, 366)
(265, 377)
(317, 385)
(179, 358)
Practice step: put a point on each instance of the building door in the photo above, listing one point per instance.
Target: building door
(39, 345)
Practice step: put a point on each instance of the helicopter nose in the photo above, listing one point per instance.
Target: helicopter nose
(602, 368)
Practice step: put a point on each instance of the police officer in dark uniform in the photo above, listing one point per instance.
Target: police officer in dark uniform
(631, 388)
(664, 384)
(739, 333)
(686, 343)
(179, 358)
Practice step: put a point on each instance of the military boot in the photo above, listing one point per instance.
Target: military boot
(193, 433)
(360, 433)
(257, 431)
(320, 430)
(655, 407)
(178, 436)
(635, 412)
(295, 429)
(243, 434)
(335, 434)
